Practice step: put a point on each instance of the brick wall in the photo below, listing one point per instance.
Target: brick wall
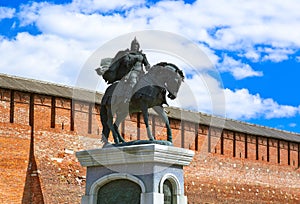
(63, 126)
(220, 179)
(14, 158)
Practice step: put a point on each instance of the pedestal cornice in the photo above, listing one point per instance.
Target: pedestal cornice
(153, 153)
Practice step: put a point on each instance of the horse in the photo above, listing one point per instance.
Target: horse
(149, 92)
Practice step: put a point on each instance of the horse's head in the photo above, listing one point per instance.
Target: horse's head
(172, 76)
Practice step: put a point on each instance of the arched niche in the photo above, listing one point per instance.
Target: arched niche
(169, 186)
(108, 187)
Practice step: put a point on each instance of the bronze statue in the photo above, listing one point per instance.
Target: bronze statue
(137, 68)
(127, 65)
(161, 78)
(146, 90)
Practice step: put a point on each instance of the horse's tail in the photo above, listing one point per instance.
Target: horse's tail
(103, 114)
(105, 104)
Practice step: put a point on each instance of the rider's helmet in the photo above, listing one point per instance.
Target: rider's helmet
(135, 46)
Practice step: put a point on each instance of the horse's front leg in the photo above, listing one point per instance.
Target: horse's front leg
(160, 111)
(111, 126)
(146, 120)
(105, 128)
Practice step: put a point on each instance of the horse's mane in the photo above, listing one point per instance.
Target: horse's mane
(163, 64)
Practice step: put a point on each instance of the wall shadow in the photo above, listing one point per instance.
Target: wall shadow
(32, 190)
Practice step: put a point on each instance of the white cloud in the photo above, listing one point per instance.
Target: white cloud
(29, 13)
(44, 57)
(256, 30)
(252, 55)
(202, 93)
(6, 12)
(239, 26)
(274, 110)
(276, 55)
(252, 21)
(89, 6)
(240, 104)
(238, 69)
(67, 22)
(292, 124)
(205, 94)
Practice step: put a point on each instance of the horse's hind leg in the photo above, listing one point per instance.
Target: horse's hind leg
(160, 111)
(146, 120)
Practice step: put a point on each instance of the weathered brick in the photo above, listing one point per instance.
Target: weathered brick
(50, 173)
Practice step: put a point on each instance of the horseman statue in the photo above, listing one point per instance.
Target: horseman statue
(135, 87)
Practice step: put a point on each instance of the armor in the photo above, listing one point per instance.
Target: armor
(127, 65)
(137, 70)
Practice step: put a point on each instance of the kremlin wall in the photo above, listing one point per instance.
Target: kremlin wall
(42, 125)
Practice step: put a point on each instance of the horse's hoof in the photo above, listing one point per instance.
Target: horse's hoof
(106, 145)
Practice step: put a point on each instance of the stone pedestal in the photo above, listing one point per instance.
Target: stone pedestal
(146, 174)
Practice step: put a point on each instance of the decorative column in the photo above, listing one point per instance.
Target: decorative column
(145, 174)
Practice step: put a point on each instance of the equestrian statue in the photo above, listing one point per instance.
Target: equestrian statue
(136, 87)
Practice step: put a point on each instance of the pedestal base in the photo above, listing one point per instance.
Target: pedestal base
(145, 174)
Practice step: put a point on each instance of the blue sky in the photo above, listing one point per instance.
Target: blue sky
(254, 45)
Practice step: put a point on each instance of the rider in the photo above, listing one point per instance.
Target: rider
(137, 68)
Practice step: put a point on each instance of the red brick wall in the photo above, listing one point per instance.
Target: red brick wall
(21, 115)
(251, 147)
(63, 114)
(273, 151)
(14, 154)
(189, 135)
(283, 153)
(228, 143)
(176, 132)
(294, 155)
(5, 105)
(131, 131)
(216, 141)
(240, 145)
(262, 149)
(202, 139)
(211, 177)
(219, 179)
(42, 112)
